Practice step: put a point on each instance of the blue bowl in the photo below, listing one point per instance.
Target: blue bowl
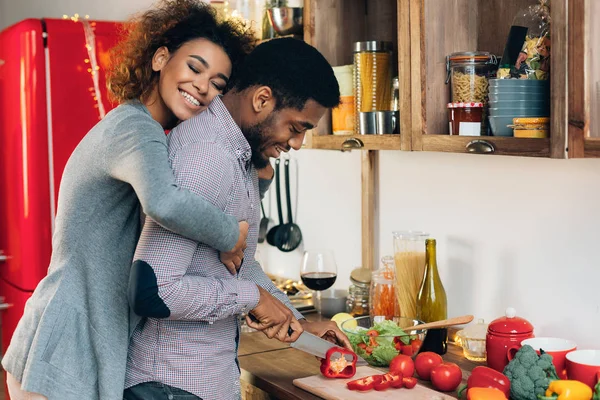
(516, 96)
(499, 127)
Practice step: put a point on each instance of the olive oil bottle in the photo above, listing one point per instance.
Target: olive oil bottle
(432, 303)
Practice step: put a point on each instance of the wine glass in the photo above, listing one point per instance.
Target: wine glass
(318, 272)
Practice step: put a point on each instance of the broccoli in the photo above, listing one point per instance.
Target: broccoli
(529, 374)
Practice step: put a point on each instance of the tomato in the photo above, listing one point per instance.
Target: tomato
(372, 333)
(402, 364)
(407, 350)
(409, 382)
(416, 345)
(362, 345)
(425, 361)
(446, 377)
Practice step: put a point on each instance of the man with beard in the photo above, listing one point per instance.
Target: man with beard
(187, 343)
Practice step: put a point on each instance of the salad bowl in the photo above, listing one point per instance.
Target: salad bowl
(379, 340)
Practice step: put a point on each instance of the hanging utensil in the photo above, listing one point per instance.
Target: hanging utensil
(273, 230)
(289, 236)
(264, 223)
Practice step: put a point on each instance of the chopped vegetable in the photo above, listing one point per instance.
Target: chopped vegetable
(339, 363)
(364, 384)
(567, 390)
(485, 377)
(529, 374)
(409, 382)
(382, 342)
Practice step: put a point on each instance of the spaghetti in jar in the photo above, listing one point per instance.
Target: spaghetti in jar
(373, 72)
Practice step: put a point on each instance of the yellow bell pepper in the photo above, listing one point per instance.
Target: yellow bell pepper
(478, 393)
(568, 390)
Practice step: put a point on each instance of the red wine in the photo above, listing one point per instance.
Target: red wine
(319, 280)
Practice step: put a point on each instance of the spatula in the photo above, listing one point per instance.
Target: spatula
(465, 319)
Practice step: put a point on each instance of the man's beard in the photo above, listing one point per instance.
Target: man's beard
(256, 137)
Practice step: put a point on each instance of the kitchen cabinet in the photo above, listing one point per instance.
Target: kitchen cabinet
(424, 32)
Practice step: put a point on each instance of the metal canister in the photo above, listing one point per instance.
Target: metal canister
(372, 77)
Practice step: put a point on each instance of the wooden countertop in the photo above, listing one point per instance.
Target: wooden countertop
(272, 366)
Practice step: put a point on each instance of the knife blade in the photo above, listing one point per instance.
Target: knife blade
(311, 344)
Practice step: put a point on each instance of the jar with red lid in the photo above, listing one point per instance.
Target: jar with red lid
(504, 333)
(465, 119)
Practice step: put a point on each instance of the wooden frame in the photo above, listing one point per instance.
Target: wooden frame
(421, 90)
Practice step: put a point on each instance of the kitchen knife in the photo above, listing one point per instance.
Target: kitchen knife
(316, 346)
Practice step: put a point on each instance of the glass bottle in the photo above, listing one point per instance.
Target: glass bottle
(432, 303)
(357, 302)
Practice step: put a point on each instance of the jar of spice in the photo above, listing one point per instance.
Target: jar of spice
(383, 301)
(372, 77)
(357, 302)
(465, 118)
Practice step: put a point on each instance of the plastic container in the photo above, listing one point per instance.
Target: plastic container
(342, 116)
(372, 77)
(531, 127)
(468, 74)
(465, 119)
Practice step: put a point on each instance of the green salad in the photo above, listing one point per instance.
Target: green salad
(382, 342)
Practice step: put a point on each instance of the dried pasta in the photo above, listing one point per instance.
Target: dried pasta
(372, 82)
(410, 267)
(468, 88)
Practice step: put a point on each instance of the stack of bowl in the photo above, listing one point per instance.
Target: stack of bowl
(514, 98)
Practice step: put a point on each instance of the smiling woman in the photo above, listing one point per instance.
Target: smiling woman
(72, 340)
(177, 58)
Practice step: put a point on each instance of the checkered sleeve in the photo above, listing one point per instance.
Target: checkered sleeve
(204, 170)
(253, 272)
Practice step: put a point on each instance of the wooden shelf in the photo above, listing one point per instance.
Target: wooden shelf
(508, 146)
(369, 142)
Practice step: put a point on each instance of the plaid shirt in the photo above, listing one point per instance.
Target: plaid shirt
(195, 348)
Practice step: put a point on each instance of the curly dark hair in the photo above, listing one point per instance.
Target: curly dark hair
(295, 72)
(171, 23)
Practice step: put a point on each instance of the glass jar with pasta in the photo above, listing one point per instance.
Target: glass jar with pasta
(468, 74)
(373, 72)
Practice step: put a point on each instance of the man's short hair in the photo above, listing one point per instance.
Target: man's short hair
(295, 72)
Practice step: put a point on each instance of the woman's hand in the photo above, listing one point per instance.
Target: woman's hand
(233, 258)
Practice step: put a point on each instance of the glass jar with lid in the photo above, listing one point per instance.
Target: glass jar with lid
(468, 74)
(357, 302)
(373, 71)
(383, 301)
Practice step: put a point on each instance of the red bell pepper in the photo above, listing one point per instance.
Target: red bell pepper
(409, 382)
(388, 381)
(364, 384)
(339, 363)
(485, 377)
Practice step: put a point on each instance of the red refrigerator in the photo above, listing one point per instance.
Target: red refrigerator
(52, 91)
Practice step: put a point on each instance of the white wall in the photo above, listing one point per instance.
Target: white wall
(511, 231)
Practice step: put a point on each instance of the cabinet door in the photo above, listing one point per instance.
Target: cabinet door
(438, 29)
(584, 86)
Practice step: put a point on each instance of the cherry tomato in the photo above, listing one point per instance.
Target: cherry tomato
(362, 345)
(446, 377)
(409, 382)
(407, 350)
(416, 345)
(425, 362)
(402, 364)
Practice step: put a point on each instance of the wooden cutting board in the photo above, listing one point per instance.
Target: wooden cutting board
(335, 389)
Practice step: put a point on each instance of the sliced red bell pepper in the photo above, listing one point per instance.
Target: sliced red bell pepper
(339, 363)
(364, 384)
(387, 381)
(485, 377)
(409, 382)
